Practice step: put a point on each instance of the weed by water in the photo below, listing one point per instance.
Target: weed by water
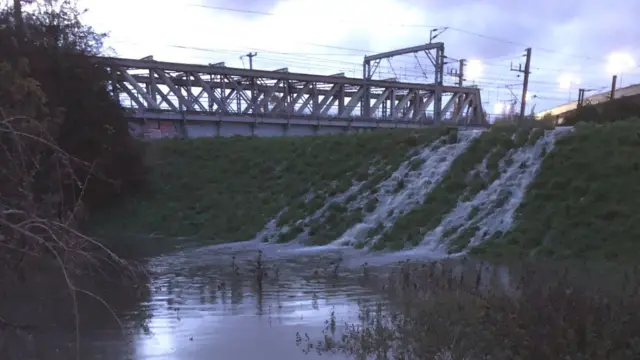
(584, 200)
(467, 310)
(227, 189)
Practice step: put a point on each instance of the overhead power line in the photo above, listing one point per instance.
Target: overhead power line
(544, 90)
(293, 58)
(452, 28)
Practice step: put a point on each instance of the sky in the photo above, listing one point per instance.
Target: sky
(575, 44)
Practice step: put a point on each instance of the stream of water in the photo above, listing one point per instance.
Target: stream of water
(206, 307)
(206, 303)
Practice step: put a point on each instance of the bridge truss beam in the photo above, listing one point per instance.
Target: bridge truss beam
(154, 88)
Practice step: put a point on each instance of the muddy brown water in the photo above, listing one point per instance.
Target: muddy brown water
(198, 305)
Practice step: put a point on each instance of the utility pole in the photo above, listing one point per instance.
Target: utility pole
(460, 83)
(613, 87)
(525, 85)
(17, 13)
(459, 74)
(250, 56)
(17, 20)
(254, 99)
(581, 94)
(580, 97)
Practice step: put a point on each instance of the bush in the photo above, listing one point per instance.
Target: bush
(92, 126)
(37, 226)
(587, 113)
(610, 111)
(62, 140)
(464, 310)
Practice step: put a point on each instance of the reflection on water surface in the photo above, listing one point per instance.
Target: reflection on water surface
(207, 303)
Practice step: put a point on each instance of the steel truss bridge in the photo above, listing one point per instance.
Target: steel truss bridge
(210, 100)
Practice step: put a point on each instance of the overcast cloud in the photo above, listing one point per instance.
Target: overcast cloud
(571, 40)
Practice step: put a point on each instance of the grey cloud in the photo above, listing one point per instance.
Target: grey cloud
(590, 28)
(603, 25)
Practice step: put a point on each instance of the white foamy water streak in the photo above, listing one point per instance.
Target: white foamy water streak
(417, 183)
(492, 210)
(495, 206)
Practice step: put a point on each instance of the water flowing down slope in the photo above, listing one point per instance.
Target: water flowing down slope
(371, 205)
(372, 201)
(504, 192)
(463, 194)
(491, 211)
(453, 193)
(436, 191)
(405, 189)
(228, 189)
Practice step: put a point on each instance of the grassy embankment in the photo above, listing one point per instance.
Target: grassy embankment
(226, 189)
(575, 206)
(585, 201)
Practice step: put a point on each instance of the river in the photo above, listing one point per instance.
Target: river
(207, 303)
(255, 300)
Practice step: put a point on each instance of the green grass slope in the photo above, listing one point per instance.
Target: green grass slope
(227, 189)
(461, 182)
(585, 201)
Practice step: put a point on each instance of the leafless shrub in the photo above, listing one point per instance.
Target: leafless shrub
(39, 211)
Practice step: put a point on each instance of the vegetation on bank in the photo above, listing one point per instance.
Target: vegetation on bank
(467, 310)
(604, 113)
(584, 201)
(313, 189)
(227, 189)
(66, 146)
(318, 187)
(53, 54)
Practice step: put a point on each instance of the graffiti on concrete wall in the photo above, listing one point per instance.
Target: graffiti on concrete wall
(153, 129)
